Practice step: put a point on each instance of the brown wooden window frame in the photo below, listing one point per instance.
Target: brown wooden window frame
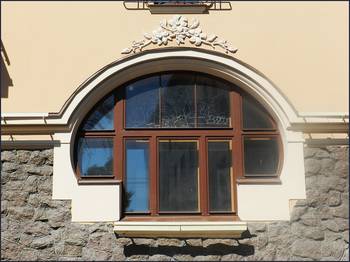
(235, 133)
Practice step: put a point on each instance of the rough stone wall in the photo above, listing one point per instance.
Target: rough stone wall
(35, 227)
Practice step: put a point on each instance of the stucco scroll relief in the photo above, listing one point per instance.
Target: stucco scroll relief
(179, 29)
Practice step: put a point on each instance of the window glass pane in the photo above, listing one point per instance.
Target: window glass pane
(142, 103)
(213, 102)
(178, 100)
(220, 175)
(260, 156)
(102, 117)
(254, 115)
(137, 179)
(178, 175)
(95, 156)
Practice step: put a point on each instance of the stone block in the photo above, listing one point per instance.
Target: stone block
(38, 170)
(137, 258)
(118, 254)
(306, 248)
(333, 249)
(345, 235)
(297, 212)
(31, 184)
(42, 242)
(8, 156)
(341, 168)
(206, 258)
(47, 155)
(122, 241)
(45, 186)
(332, 236)
(36, 158)
(9, 167)
(341, 211)
(312, 165)
(311, 218)
(21, 213)
(37, 229)
(145, 241)
(327, 166)
(340, 153)
(345, 256)
(183, 257)
(309, 152)
(159, 258)
(322, 153)
(334, 198)
(170, 242)
(214, 241)
(92, 254)
(28, 255)
(195, 242)
(72, 250)
(22, 156)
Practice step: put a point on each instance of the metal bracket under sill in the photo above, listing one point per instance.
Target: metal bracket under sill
(230, 229)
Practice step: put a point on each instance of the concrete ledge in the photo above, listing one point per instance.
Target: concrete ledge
(180, 229)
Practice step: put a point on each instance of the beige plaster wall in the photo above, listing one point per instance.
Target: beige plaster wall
(54, 46)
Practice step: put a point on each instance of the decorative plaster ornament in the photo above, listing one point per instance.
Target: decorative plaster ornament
(179, 29)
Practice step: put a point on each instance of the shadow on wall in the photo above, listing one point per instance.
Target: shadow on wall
(6, 80)
(213, 249)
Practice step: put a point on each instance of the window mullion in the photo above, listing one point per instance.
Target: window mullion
(119, 155)
(195, 102)
(203, 177)
(237, 158)
(153, 191)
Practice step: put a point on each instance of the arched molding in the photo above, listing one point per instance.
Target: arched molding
(223, 66)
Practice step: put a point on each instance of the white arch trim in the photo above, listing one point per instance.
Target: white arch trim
(257, 84)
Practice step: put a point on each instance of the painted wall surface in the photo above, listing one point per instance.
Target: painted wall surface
(53, 47)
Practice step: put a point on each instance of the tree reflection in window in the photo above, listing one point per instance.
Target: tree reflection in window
(95, 156)
(178, 100)
(255, 116)
(102, 116)
(142, 107)
(213, 102)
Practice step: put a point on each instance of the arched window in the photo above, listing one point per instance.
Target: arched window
(179, 141)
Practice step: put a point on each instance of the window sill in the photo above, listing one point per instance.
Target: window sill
(264, 181)
(99, 182)
(180, 229)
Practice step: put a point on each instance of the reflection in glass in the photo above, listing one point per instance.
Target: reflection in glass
(95, 156)
(260, 156)
(220, 175)
(178, 175)
(254, 115)
(102, 117)
(137, 178)
(178, 100)
(213, 103)
(142, 103)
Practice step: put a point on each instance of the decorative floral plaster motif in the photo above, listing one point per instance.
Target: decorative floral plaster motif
(179, 29)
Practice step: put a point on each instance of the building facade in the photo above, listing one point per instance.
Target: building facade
(174, 130)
